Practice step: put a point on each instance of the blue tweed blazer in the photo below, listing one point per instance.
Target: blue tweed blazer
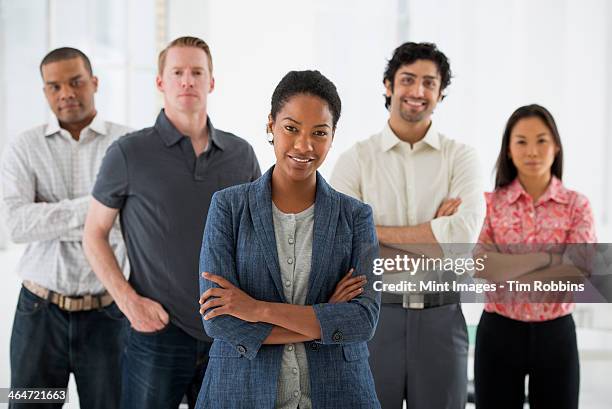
(239, 244)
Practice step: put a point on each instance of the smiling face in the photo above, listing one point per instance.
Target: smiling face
(532, 148)
(415, 92)
(69, 89)
(303, 132)
(185, 80)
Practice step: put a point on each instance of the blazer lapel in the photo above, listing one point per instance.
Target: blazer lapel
(326, 214)
(261, 213)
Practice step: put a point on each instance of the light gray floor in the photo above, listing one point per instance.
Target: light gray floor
(595, 343)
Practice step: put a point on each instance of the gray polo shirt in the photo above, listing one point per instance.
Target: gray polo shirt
(163, 192)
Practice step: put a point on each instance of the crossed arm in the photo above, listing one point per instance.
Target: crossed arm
(457, 220)
(571, 265)
(526, 268)
(421, 236)
(292, 323)
(236, 318)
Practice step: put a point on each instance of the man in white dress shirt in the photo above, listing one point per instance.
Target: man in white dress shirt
(65, 321)
(426, 191)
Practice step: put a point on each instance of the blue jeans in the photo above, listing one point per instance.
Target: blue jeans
(47, 344)
(162, 366)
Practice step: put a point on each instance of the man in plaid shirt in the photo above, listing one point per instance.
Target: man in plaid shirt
(65, 320)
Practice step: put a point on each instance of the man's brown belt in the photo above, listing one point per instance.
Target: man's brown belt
(73, 304)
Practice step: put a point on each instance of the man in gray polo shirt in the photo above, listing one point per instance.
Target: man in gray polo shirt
(161, 181)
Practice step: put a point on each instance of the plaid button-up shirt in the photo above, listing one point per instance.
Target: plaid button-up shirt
(46, 179)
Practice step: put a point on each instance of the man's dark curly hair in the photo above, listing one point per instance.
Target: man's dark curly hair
(306, 82)
(408, 53)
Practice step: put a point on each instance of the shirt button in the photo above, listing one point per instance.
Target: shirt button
(337, 336)
(290, 347)
(290, 260)
(291, 241)
(241, 349)
(296, 393)
(294, 370)
(287, 283)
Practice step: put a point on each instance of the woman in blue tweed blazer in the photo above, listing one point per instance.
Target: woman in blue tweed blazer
(244, 304)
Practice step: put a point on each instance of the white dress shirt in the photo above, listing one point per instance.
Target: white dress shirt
(406, 184)
(46, 179)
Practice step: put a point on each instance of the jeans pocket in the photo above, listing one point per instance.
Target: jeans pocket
(152, 333)
(29, 303)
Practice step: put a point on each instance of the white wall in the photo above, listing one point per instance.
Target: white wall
(348, 41)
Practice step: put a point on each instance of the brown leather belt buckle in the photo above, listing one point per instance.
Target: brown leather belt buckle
(87, 302)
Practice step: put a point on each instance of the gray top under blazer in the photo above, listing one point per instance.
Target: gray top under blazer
(293, 234)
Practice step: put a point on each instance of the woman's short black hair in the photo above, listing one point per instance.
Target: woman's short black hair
(306, 82)
(505, 170)
(410, 52)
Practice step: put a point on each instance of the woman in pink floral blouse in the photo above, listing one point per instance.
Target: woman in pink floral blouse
(530, 218)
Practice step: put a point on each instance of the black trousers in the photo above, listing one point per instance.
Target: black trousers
(507, 350)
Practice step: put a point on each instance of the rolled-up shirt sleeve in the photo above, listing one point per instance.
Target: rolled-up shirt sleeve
(466, 183)
(218, 257)
(355, 321)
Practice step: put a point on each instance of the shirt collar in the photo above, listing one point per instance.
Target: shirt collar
(97, 125)
(171, 135)
(514, 191)
(432, 137)
(555, 191)
(390, 139)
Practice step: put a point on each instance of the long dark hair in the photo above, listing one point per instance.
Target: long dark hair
(505, 170)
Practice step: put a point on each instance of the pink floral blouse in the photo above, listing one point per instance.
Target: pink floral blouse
(559, 216)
